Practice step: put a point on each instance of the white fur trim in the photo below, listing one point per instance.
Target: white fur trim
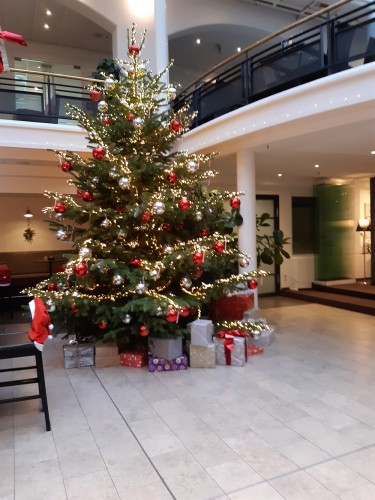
(38, 346)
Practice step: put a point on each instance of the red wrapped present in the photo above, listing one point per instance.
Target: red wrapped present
(253, 349)
(231, 308)
(231, 347)
(134, 359)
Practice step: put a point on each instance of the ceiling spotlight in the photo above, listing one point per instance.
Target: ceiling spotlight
(279, 175)
(238, 49)
(373, 152)
(28, 214)
(316, 165)
(48, 12)
(46, 26)
(198, 41)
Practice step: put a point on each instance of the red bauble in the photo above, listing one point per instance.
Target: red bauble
(134, 50)
(205, 232)
(79, 192)
(176, 125)
(95, 95)
(136, 262)
(102, 324)
(74, 308)
(198, 257)
(180, 225)
(66, 166)
(107, 120)
(172, 315)
(130, 73)
(235, 202)
(60, 207)
(81, 269)
(98, 153)
(252, 284)
(143, 331)
(172, 177)
(87, 196)
(184, 311)
(219, 247)
(52, 287)
(130, 117)
(184, 204)
(197, 272)
(166, 226)
(146, 215)
(120, 210)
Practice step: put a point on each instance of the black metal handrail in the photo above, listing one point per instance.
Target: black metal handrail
(332, 46)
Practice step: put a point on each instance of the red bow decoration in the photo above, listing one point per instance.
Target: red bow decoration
(228, 337)
(8, 37)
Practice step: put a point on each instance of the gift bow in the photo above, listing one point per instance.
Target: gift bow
(228, 337)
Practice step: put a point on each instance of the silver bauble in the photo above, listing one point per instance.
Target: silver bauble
(124, 182)
(109, 83)
(121, 234)
(140, 288)
(198, 215)
(186, 283)
(50, 306)
(102, 106)
(95, 180)
(243, 261)
(127, 319)
(106, 223)
(113, 173)
(168, 249)
(138, 122)
(154, 274)
(85, 252)
(118, 279)
(192, 166)
(159, 207)
(75, 293)
(61, 235)
(171, 92)
(59, 216)
(159, 311)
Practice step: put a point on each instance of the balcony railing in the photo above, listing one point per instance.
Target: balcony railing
(262, 69)
(258, 72)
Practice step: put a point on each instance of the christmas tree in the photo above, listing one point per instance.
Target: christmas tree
(152, 243)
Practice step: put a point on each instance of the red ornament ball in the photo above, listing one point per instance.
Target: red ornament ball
(252, 284)
(143, 331)
(134, 50)
(79, 192)
(205, 232)
(87, 196)
(172, 177)
(136, 262)
(166, 226)
(235, 202)
(129, 117)
(60, 207)
(197, 272)
(172, 315)
(198, 257)
(81, 269)
(98, 153)
(180, 225)
(219, 247)
(107, 120)
(52, 287)
(184, 311)
(146, 215)
(66, 166)
(176, 125)
(74, 307)
(184, 204)
(95, 95)
(102, 324)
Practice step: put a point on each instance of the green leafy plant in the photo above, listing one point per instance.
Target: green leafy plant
(270, 248)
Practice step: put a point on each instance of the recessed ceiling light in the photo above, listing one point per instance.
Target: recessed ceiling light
(279, 175)
(316, 165)
(238, 49)
(46, 26)
(198, 41)
(48, 12)
(373, 152)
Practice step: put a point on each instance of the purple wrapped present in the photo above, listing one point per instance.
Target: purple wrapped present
(156, 364)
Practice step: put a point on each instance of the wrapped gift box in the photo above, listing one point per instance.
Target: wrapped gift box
(202, 356)
(105, 361)
(79, 355)
(201, 332)
(231, 349)
(231, 308)
(168, 348)
(156, 364)
(252, 350)
(106, 354)
(134, 359)
(264, 338)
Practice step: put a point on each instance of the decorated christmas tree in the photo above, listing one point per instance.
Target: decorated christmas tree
(152, 243)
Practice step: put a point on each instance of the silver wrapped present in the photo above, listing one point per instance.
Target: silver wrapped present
(231, 352)
(202, 356)
(79, 355)
(201, 332)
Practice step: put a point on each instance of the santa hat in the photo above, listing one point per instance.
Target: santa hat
(41, 324)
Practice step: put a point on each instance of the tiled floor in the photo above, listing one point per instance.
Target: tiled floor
(297, 422)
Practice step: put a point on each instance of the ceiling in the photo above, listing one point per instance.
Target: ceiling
(344, 152)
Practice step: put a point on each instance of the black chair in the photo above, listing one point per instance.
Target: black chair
(19, 351)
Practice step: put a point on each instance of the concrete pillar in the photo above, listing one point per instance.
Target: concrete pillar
(246, 183)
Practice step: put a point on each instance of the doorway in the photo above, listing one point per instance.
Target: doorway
(269, 204)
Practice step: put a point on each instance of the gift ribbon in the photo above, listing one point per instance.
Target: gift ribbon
(228, 337)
